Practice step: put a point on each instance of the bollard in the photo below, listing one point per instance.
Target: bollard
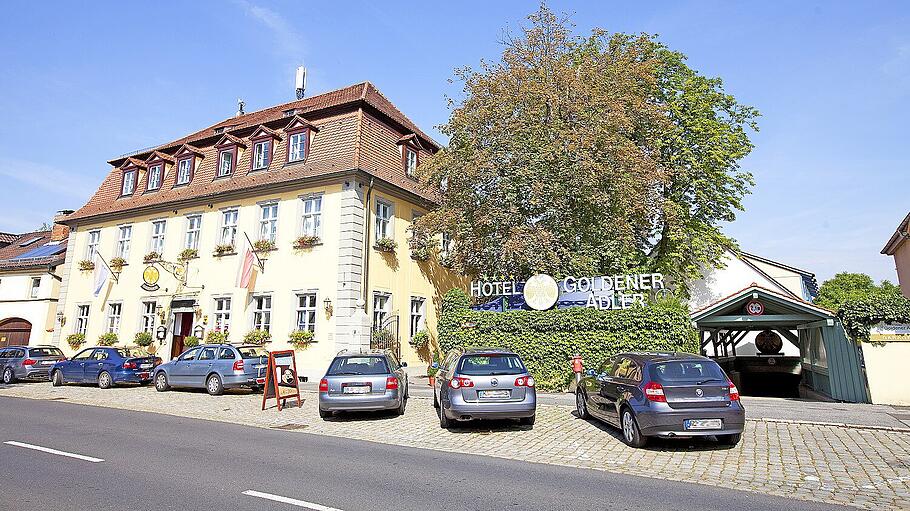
(578, 367)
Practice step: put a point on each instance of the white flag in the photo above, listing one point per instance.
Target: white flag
(102, 273)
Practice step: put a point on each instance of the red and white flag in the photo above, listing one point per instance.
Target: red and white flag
(247, 265)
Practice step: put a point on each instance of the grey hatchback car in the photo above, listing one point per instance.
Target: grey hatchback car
(484, 383)
(363, 381)
(214, 367)
(28, 362)
(662, 395)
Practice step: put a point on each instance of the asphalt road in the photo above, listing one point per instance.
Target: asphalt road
(137, 461)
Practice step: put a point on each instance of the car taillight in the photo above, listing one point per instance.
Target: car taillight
(524, 381)
(28, 362)
(391, 383)
(323, 385)
(459, 382)
(129, 365)
(655, 392)
(734, 392)
(238, 365)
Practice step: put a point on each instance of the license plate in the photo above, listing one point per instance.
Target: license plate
(258, 366)
(143, 376)
(356, 390)
(47, 362)
(145, 366)
(493, 394)
(703, 424)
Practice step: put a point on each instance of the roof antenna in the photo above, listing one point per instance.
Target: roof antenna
(240, 104)
(300, 82)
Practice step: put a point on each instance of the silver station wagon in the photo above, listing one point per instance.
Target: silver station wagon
(363, 381)
(28, 362)
(214, 367)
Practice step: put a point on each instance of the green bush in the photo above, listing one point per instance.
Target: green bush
(216, 337)
(190, 341)
(259, 337)
(143, 339)
(858, 315)
(108, 339)
(547, 340)
(420, 340)
(75, 340)
(300, 339)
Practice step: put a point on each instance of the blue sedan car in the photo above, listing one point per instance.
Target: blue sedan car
(214, 367)
(105, 366)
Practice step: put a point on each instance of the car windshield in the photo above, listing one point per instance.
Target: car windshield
(45, 352)
(252, 352)
(358, 365)
(131, 352)
(694, 371)
(490, 365)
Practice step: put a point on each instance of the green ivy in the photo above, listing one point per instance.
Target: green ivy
(859, 315)
(547, 340)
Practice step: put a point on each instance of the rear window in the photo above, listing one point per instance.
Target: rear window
(489, 365)
(687, 371)
(45, 352)
(358, 365)
(252, 352)
(131, 352)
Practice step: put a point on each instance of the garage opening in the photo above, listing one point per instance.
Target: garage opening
(15, 332)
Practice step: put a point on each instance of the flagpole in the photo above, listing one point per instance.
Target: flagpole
(114, 275)
(259, 262)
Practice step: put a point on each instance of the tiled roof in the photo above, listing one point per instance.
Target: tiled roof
(6, 237)
(754, 286)
(900, 234)
(356, 130)
(9, 255)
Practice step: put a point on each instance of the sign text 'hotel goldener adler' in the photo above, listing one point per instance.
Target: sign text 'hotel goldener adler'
(606, 292)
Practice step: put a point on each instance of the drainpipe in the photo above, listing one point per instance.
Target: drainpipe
(366, 244)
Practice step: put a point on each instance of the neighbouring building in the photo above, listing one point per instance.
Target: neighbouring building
(31, 268)
(325, 189)
(898, 248)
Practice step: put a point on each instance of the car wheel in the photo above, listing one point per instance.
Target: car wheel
(528, 421)
(581, 405)
(630, 432)
(57, 378)
(400, 409)
(8, 377)
(730, 440)
(214, 386)
(435, 400)
(444, 422)
(105, 381)
(325, 414)
(161, 384)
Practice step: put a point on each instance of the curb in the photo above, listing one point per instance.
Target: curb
(834, 424)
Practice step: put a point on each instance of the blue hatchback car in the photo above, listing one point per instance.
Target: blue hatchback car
(214, 367)
(106, 366)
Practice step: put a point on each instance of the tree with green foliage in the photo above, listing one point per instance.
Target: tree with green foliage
(588, 155)
(846, 287)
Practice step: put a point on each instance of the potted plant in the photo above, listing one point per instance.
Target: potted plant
(190, 341)
(386, 244)
(108, 339)
(143, 339)
(224, 249)
(420, 340)
(383, 337)
(259, 337)
(217, 336)
(264, 245)
(301, 339)
(306, 241)
(151, 257)
(117, 264)
(447, 261)
(75, 340)
(432, 369)
(187, 254)
(420, 244)
(86, 265)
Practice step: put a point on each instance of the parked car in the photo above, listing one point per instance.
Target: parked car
(28, 362)
(106, 366)
(662, 395)
(215, 367)
(363, 381)
(484, 383)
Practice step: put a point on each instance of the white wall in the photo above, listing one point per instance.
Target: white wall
(16, 301)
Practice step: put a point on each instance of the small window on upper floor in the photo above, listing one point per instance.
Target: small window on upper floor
(184, 171)
(154, 177)
(411, 160)
(261, 154)
(297, 146)
(129, 183)
(226, 163)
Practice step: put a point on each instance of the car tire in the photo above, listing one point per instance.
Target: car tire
(631, 435)
(435, 400)
(105, 381)
(9, 377)
(214, 386)
(161, 384)
(401, 407)
(730, 440)
(444, 422)
(581, 405)
(57, 378)
(325, 414)
(528, 421)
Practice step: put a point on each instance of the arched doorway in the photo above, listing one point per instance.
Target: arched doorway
(14, 331)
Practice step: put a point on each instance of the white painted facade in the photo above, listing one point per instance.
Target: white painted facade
(17, 300)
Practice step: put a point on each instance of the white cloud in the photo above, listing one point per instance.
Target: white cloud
(69, 184)
(289, 40)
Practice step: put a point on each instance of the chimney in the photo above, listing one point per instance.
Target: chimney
(60, 232)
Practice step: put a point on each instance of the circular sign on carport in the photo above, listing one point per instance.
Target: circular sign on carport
(755, 308)
(541, 292)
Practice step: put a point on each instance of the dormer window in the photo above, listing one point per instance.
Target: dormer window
(297, 146)
(226, 163)
(186, 164)
(227, 155)
(261, 152)
(263, 142)
(410, 161)
(410, 153)
(299, 131)
(184, 171)
(154, 177)
(129, 182)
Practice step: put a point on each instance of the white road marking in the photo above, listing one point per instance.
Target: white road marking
(54, 451)
(288, 500)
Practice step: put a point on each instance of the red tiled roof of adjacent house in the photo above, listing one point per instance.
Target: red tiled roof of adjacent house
(7, 237)
(11, 255)
(355, 129)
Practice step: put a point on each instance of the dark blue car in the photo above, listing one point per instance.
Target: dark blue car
(105, 366)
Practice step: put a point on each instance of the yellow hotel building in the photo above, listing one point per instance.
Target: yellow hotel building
(320, 186)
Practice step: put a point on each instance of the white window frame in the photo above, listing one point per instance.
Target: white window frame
(124, 238)
(83, 311)
(34, 291)
(311, 222)
(191, 239)
(148, 318)
(297, 146)
(156, 241)
(113, 321)
(445, 244)
(410, 161)
(128, 186)
(184, 170)
(268, 225)
(305, 314)
(229, 220)
(92, 243)
(384, 226)
(221, 319)
(417, 318)
(262, 311)
(221, 163)
(380, 314)
(154, 171)
(261, 156)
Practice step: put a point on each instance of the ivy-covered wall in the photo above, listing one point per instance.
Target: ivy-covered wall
(547, 340)
(859, 315)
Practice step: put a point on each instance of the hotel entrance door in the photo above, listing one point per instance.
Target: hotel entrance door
(183, 326)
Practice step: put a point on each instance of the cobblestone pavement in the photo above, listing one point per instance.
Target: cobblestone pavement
(869, 469)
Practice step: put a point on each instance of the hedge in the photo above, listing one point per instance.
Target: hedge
(858, 316)
(547, 340)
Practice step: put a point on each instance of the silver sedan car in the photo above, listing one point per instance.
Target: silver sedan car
(363, 381)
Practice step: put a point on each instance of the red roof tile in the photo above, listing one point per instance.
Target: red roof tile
(10, 253)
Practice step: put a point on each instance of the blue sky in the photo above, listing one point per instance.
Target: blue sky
(83, 83)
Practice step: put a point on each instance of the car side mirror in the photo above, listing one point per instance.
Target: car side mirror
(404, 364)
